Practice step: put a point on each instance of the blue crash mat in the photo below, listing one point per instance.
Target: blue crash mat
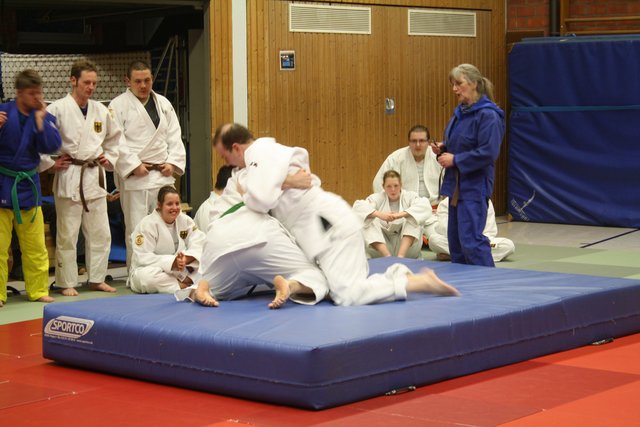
(323, 356)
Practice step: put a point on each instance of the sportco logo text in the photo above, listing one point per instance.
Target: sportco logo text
(68, 327)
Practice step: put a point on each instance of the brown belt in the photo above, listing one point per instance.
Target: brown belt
(456, 191)
(84, 165)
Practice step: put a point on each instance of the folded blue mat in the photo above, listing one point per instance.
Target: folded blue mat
(323, 356)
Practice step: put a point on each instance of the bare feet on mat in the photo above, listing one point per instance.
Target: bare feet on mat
(1, 303)
(202, 296)
(283, 291)
(69, 292)
(102, 287)
(427, 281)
(45, 298)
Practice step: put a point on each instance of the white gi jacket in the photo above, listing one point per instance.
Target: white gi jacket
(224, 237)
(83, 139)
(203, 215)
(402, 161)
(153, 244)
(418, 208)
(146, 144)
(300, 211)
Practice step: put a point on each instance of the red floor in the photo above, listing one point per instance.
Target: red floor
(589, 386)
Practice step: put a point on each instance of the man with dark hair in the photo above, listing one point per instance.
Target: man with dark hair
(245, 248)
(202, 217)
(26, 130)
(152, 151)
(90, 140)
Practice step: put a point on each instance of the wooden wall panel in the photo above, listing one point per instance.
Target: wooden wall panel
(221, 69)
(333, 103)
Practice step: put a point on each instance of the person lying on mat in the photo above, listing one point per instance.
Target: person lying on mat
(393, 219)
(167, 246)
(323, 224)
(244, 248)
(501, 247)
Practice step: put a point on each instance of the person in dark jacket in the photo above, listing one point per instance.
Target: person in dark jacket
(470, 149)
(26, 131)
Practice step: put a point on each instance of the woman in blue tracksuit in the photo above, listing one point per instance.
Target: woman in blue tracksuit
(468, 154)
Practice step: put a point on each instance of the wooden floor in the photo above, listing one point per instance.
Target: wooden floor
(588, 386)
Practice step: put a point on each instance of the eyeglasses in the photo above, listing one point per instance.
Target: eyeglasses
(418, 141)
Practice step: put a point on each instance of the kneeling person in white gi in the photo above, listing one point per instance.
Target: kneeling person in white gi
(245, 248)
(501, 247)
(393, 219)
(167, 247)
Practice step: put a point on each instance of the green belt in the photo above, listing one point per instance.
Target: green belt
(19, 176)
(232, 209)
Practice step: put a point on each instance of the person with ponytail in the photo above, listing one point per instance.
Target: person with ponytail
(468, 153)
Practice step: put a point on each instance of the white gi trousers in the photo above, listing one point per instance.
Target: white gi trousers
(392, 236)
(235, 273)
(152, 279)
(501, 247)
(342, 259)
(233, 260)
(70, 216)
(136, 204)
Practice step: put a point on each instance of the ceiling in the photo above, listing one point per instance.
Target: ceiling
(44, 25)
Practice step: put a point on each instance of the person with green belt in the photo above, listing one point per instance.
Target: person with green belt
(26, 131)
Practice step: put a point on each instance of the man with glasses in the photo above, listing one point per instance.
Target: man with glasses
(417, 166)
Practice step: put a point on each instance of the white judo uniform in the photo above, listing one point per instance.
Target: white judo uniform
(501, 247)
(155, 246)
(391, 233)
(84, 139)
(203, 215)
(144, 143)
(245, 248)
(322, 223)
(402, 161)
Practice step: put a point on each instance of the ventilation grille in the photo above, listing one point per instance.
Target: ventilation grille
(441, 23)
(309, 18)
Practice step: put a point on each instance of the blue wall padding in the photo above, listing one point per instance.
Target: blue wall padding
(574, 131)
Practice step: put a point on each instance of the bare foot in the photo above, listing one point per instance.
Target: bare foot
(103, 287)
(443, 257)
(283, 291)
(1, 303)
(202, 296)
(45, 298)
(427, 281)
(69, 292)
